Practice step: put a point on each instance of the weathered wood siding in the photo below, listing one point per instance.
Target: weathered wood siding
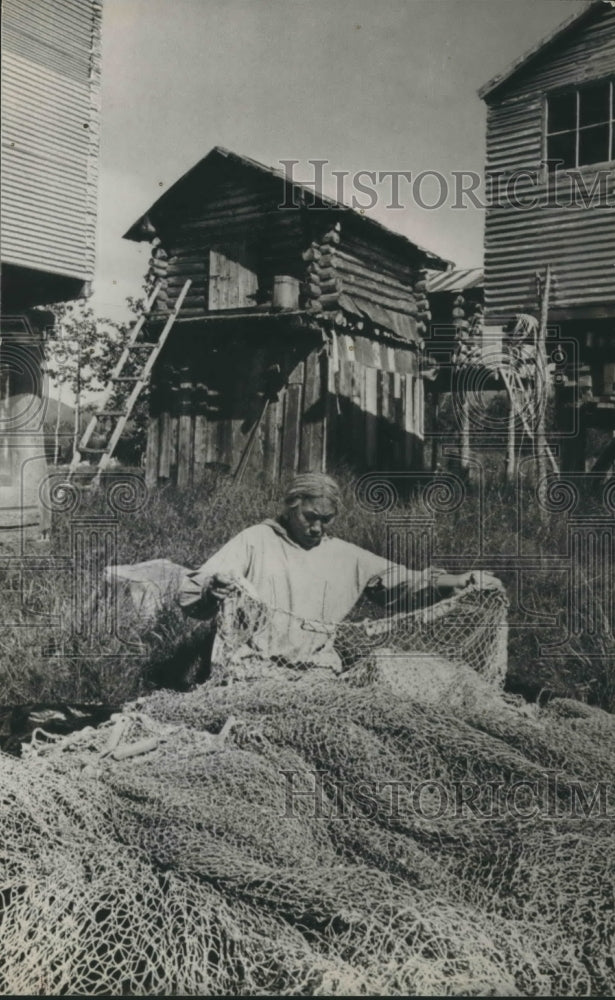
(355, 400)
(579, 242)
(237, 222)
(375, 405)
(50, 82)
(349, 388)
(232, 239)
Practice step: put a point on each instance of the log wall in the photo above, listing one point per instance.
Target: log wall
(240, 222)
(349, 391)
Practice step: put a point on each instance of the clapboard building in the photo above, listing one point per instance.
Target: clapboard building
(300, 341)
(50, 138)
(551, 198)
(50, 127)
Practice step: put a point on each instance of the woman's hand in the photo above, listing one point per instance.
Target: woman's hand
(485, 580)
(221, 585)
(459, 581)
(451, 581)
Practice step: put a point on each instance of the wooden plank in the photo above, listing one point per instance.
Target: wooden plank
(201, 434)
(185, 450)
(363, 352)
(345, 447)
(333, 413)
(152, 451)
(419, 407)
(271, 440)
(356, 427)
(292, 420)
(312, 427)
(369, 405)
(211, 441)
(408, 421)
(344, 378)
(249, 406)
(383, 437)
(164, 468)
(403, 360)
(397, 416)
(173, 436)
(225, 442)
(231, 284)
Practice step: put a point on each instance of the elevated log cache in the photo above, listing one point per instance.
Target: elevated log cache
(298, 346)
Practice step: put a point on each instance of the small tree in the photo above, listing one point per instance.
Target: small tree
(81, 352)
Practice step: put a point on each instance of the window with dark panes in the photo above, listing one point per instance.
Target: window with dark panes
(581, 125)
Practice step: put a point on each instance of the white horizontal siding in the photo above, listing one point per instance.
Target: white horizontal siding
(578, 242)
(587, 55)
(50, 134)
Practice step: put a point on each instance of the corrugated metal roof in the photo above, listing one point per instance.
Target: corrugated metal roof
(456, 281)
(139, 230)
(553, 36)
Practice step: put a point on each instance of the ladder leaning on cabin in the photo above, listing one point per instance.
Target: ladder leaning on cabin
(140, 379)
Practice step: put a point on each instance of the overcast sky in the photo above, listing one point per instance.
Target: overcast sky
(375, 85)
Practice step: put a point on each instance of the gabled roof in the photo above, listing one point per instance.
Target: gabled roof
(145, 227)
(569, 26)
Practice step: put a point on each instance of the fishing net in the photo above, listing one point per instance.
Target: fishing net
(469, 629)
(311, 831)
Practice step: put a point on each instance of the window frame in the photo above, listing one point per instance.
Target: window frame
(576, 89)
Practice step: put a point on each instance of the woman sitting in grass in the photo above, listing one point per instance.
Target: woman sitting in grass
(303, 575)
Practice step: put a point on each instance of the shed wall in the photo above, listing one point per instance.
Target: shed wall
(50, 81)
(578, 241)
(356, 401)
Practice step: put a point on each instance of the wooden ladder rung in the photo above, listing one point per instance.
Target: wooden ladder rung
(152, 350)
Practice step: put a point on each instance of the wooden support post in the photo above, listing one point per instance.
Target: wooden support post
(435, 414)
(511, 465)
(152, 451)
(541, 385)
(465, 434)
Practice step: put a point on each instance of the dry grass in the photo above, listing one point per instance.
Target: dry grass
(182, 873)
(40, 660)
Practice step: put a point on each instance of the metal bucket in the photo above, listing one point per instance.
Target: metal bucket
(285, 292)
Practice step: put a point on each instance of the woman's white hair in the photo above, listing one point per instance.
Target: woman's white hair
(312, 485)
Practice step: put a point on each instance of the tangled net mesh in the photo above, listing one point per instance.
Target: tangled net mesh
(293, 831)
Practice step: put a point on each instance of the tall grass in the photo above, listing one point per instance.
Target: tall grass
(42, 660)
